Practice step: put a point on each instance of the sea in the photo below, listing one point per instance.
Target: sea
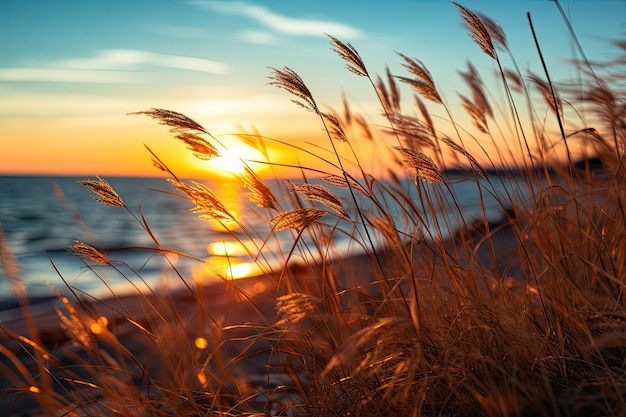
(158, 241)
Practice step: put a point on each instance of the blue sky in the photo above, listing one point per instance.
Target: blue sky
(71, 71)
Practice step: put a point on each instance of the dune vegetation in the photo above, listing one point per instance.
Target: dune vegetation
(439, 316)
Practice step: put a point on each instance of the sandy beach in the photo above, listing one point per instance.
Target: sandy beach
(240, 307)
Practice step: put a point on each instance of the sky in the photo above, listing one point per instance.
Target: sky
(71, 72)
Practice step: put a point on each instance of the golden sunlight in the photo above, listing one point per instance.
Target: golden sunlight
(233, 248)
(201, 343)
(99, 325)
(233, 160)
(223, 267)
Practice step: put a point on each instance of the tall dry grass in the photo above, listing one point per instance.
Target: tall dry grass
(521, 318)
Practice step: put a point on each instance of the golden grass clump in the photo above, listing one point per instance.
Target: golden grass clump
(443, 310)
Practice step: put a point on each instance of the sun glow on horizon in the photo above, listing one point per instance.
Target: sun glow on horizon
(233, 160)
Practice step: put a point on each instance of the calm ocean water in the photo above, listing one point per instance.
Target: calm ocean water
(42, 216)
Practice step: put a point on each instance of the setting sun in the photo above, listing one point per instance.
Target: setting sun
(233, 160)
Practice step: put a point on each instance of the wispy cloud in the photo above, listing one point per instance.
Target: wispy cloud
(110, 66)
(19, 105)
(128, 58)
(260, 38)
(66, 75)
(282, 24)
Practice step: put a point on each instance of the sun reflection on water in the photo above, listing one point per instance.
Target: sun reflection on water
(224, 267)
(233, 255)
(230, 195)
(227, 248)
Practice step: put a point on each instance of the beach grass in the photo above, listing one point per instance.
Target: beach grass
(437, 316)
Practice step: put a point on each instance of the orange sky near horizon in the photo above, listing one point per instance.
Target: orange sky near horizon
(116, 151)
(121, 151)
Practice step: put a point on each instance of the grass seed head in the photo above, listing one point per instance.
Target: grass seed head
(477, 31)
(105, 194)
(88, 252)
(289, 80)
(298, 219)
(259, 192)
(348, 53)
(422, 81)
(317, 192)
(178, 122)
(423, 166)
